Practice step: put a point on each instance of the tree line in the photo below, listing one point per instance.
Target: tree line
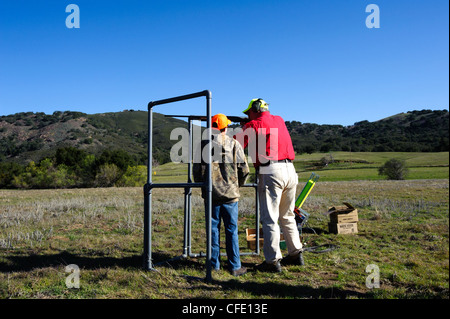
(71, 168)
(415, 131)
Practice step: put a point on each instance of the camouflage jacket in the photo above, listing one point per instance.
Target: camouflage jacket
(229, 168)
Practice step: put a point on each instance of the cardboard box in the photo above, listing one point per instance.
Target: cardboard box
(343, 219)
(343, 214)
(343, 228)
(251, 238)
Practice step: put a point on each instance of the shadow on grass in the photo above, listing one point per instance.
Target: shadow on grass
(269, 288)
(21, 262)
(25, 263)
(281, 290)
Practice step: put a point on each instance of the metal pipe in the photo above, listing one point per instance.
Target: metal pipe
(149, 185)
(186, 220)
(148, 200)
(209, 191)
(257, 248)
(175, 185)
(206, 93)
(257, 218)
(187, 196)
(207, 184)
(191, 152)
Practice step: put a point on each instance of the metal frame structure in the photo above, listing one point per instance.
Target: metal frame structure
(148, 187)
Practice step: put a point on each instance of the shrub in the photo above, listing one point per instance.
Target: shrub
(394, 169)
(134, 176)
(107, 176)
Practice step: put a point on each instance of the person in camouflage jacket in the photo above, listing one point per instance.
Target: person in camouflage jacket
(229, 172)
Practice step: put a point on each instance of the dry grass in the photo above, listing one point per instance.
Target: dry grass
(403, 229)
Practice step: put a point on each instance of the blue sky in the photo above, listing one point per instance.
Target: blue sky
(313, 61)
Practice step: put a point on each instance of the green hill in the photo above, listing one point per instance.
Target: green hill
(415, 131)
(73, 149)
(33, 136)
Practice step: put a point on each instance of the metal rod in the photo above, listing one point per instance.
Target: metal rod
(209, 192)
(257, 248)
(191, 152)
(232, 118)
(187, 196)
(148, 200)
(186, 221)
(183, 185)
(251, 253)
(206, 93)
(150, 146)
(175, 185)
(149, 185)
(187, 186)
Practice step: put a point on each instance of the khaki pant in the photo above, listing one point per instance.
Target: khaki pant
(277, 189)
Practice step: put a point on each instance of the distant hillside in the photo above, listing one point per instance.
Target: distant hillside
(415, 131)
(33, 136)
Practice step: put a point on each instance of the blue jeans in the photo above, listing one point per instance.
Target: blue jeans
(229, 214)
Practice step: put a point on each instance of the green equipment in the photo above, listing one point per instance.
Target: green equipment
(301, 215)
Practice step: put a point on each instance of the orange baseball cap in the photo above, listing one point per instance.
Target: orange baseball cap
(220, 121)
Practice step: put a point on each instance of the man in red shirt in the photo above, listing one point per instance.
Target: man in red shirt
(270, 148)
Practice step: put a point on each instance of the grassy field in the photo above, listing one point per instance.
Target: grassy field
(341, 166)
(403, 230)
(344, 166)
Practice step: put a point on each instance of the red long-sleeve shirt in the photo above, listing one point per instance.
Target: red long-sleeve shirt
(267, 131)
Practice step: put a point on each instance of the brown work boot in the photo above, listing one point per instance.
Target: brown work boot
(266, 267)
(296, 259)
(239, 272)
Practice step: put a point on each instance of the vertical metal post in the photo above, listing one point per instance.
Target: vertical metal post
(186, 222)
(257, 212)
(209, 190)
(148, 199)
(187, 199)
(191, 155)
(149, 186)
